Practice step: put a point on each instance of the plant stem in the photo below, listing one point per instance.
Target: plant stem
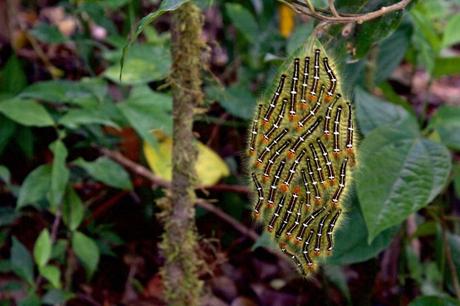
(179, 245)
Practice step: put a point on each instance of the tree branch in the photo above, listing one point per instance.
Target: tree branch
(336, 17)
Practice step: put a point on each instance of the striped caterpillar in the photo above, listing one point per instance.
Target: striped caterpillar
(302, 155)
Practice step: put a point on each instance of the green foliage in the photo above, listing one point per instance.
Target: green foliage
(42, 248)
(87, 251)
(21, 261)
(401, 172)
(51, 132)
(26, 112)
(106, 171)
(59, 173)
(352, 240)
(35, 186)
(73, 210)
(434, 301)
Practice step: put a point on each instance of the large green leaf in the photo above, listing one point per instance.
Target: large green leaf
(372, 112)
(35, 186)
(446, 121)
(401, 172)
(451, 32)
(351, 237)
(434, 301)
(146, 110)
(243, 20)
(26, 112)
(42, 248)
(106, 171)
(143, 64)
(87, 251)
(21, 261)
(59, 173)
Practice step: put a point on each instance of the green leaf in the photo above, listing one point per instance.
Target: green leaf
(7, 216)
(59, 173)
(106, 171)
(26, 112)
(75, 118)
(146, 110)
(51, 274)
(446, 121)
(73, 210)
(166, 6)
(64, 91)
(391, 52)
(244, 21)
(48, 34)
(401, 172)
(236, 99)
(337, 276)
(21, 261)
(434, 301)
(5, 175)
(30, 300)
(12, 76)
(425, 40)
(87, 251)
(42, 248)
(7, 129)
(35, 186)
(446, 66)
(351, 237)
(143, 64)
(298, 37)
(372, 112)
(373, 31)
(25, 140)
(57, 297)
(451, 33)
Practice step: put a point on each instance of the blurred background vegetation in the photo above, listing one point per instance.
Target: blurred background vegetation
(85, 155)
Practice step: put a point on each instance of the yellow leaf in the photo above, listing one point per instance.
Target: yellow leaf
(210, 168)
(286, 15)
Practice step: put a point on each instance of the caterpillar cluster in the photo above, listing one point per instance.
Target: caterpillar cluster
(302, 153)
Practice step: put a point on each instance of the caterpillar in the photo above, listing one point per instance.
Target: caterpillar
(302, 153)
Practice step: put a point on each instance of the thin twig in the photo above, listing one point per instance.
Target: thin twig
(337, 18)
(158, 181)
(227, 218)
(332, 8)
(155, 180)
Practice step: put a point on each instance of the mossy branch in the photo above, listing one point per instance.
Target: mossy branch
(179, 245)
